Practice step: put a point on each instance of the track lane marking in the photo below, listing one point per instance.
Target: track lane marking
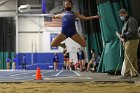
(59, 73)
(77, 73)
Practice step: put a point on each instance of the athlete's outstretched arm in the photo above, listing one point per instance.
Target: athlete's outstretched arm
(58, 16)
(78, 15)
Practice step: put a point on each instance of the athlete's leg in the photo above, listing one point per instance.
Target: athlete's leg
(67, 64)
(80, 62)
(90, 62)
(25, 66)
(83, 64)
(57, 41)
(77, 38)
(56, 65)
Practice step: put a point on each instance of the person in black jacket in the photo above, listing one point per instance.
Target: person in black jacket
(130, 40)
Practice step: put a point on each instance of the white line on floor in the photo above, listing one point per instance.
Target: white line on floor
(76, 73)
(59, 73)
(21, 74)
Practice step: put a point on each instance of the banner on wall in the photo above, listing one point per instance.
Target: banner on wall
(52, 36)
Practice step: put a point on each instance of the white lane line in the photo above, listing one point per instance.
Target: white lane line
(16, 74)
(77, 73)
(59, 73)
(21, 74)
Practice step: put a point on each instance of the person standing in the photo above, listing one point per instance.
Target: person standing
(55, 61)
(23, 62)
(14, 63)
(8, 61)
(66, 59)
(81, 59)
(130, 41)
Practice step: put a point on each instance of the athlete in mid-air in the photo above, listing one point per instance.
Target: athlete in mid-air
(68, 26)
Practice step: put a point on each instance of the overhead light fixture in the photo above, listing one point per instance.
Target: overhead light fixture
(24, 8)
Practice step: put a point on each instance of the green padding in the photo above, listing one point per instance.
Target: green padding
(112, 57)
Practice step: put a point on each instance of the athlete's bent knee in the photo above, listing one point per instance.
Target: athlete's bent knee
(53, 45)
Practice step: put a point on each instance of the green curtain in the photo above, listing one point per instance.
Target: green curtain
(3, 56)
(91, 29)
(112, 56)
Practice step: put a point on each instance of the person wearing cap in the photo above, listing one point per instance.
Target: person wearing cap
(130, 42)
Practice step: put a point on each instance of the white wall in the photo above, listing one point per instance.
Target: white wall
(28, 42)
(30, 23)
(29, 33)
(8, 8)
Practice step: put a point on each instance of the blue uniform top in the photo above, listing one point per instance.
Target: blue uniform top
(24, 59)
(8, 60)
(80, 55)
(14, 60)
(97, 59)
(68, 24)
(68, 19)
(56, 58)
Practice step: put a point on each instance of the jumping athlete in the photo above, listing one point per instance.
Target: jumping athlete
(68, 25)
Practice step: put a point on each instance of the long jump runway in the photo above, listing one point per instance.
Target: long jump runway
(47, 76)
(59, 76)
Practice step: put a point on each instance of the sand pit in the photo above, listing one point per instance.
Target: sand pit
(87, 87)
